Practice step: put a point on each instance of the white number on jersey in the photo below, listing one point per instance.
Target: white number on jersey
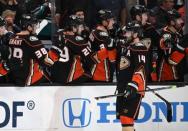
(86, 51)
(39, 53)
(142, 58)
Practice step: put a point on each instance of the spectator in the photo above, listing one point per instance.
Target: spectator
(13, 5)
(64, 8)
(9, 17)
(162, 15)
(30, 5)
(178, 4)
(181, 10)
(118, 7)
(148, 3)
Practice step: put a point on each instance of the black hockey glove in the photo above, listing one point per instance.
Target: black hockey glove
(13, 64)
(130, 92)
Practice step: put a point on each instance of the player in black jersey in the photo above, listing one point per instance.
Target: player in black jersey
(73, 56)
(30, 56)
(4, 51)
(131, 75)
(141, 14)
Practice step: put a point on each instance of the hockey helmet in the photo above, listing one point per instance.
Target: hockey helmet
(2, 22)
(105, 14)
(137, 10)
(28, 20)
(75, 21)
(173, 14)
(135, 27)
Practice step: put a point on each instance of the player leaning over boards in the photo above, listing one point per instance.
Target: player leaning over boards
(28, 56)
(4, 39)
(131, 75)
(173, 44)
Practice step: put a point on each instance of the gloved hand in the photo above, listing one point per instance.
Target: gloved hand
(13, 64)
(130, 92)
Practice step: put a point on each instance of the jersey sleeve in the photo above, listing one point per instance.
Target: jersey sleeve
(39, 51)
(140, 60)
(3, 70)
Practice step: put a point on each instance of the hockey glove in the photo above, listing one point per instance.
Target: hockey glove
(13, 64)
(130, 92)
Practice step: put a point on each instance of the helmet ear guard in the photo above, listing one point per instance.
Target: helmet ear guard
(28, 20)
(137, 10)
(135, 27)
(74, 21)
(2, 22)
(105, 14)
(173, 15)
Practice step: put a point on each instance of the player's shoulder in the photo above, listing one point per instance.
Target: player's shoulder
(141, 46)
(75, 40)
(100, 34)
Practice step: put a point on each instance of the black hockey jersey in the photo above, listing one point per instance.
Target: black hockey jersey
(100, 39)
(132, 65)
(30, 52)
(72, 58)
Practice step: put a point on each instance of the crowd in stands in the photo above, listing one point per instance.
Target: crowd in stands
(88, 40)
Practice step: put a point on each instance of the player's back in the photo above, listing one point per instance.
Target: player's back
(26, 51)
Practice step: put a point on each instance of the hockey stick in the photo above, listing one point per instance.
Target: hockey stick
(147, 90)
(168, 105)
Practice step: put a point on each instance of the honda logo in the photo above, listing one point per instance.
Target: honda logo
(76, 113)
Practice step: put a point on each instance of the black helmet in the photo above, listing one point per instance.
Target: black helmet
(135, 27)
(153, 12)
(137, 10)
(74, 21)
(2, 22)
(173, 14)
(105, 14)
(28, 20)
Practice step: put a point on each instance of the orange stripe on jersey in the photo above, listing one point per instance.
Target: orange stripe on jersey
(78, 70)
(166, 72)
(2, 70)
(162, 45)
(112, 54)
(186, 51)
(102, 54)
(176, 57)
(37, 74)
(126, 120)
(139, 79)
(53, 56)
(101, 72)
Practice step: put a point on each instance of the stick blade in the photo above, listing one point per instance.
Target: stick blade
(169, 113)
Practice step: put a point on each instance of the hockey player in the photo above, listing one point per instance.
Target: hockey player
(131, 75)
(100, 39)
(29, 55)
(141, 14)
(4, 51)
(72, 55)
(171, 43)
